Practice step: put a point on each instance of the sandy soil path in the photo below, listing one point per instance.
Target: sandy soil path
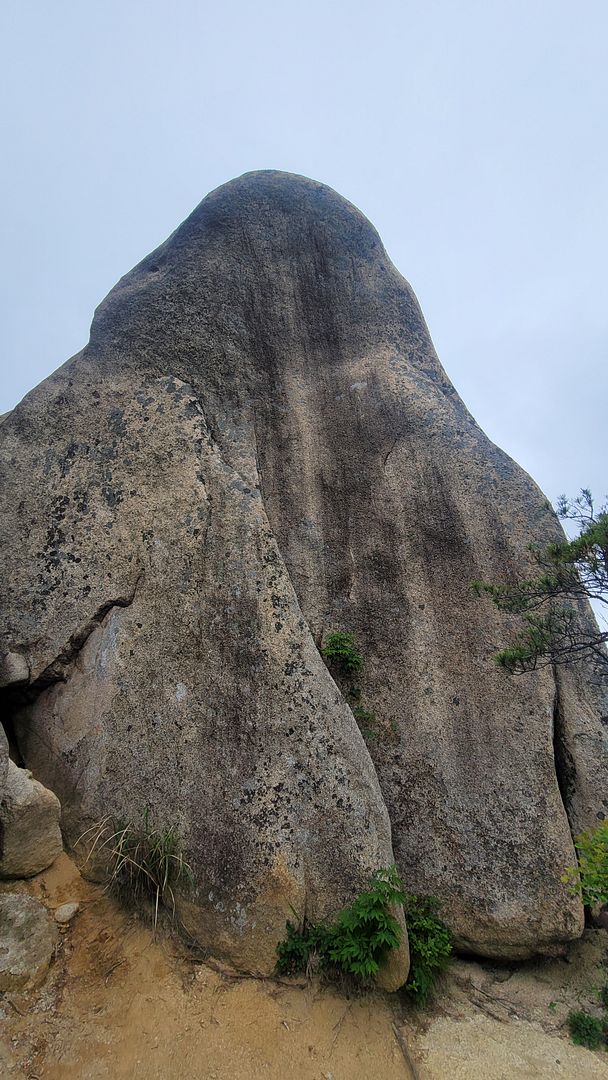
(120, 1004)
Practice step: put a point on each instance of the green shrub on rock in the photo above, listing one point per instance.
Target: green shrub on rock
(586, 1030)
(342, 656)
(362, 935)
(342, 653)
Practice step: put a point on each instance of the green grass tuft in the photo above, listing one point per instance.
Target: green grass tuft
(144, 865)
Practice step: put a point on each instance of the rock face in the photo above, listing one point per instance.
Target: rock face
(29, 823)
(257, 446)
(27, 942)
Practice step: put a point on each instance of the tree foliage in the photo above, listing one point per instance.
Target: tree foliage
(555, 629)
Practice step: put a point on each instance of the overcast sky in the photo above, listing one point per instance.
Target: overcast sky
(474, 135)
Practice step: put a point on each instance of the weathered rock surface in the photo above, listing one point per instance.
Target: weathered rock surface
(29, 824)
(27, 941)
(258, 445)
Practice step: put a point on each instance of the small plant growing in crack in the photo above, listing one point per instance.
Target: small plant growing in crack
(430, 946)
(343, 657)
(342, 653)
(366, 721)
(144, 866)
(586, 1030)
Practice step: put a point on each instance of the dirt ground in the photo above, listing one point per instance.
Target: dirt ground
(119, 1003)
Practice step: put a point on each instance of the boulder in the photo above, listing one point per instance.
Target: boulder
(257, 446)
(29, 820)
(13, 669)
(28, 937)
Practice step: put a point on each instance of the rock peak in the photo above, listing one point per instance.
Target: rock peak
(259, 446)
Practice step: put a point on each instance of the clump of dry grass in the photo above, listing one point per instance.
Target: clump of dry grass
(144, 866)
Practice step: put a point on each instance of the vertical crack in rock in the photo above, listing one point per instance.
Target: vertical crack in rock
(565, 765)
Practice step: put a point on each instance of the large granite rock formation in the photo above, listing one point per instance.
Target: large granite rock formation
(259, 445)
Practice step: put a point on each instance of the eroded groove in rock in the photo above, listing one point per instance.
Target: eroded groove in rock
(261, 425)
(18, 697)
(565, 768)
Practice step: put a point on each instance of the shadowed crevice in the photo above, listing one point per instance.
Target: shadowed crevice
(565, 766)
(17, 699)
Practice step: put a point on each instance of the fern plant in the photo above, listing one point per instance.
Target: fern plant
(362, 935)
(357, 942)
(430, 945)
(364, 932)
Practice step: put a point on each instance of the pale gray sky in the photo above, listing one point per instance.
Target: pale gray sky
(473, 134)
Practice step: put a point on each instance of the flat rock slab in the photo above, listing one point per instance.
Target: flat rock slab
(28, 937)
(482, 1048)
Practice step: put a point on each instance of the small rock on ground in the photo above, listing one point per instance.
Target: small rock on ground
(65, 913)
